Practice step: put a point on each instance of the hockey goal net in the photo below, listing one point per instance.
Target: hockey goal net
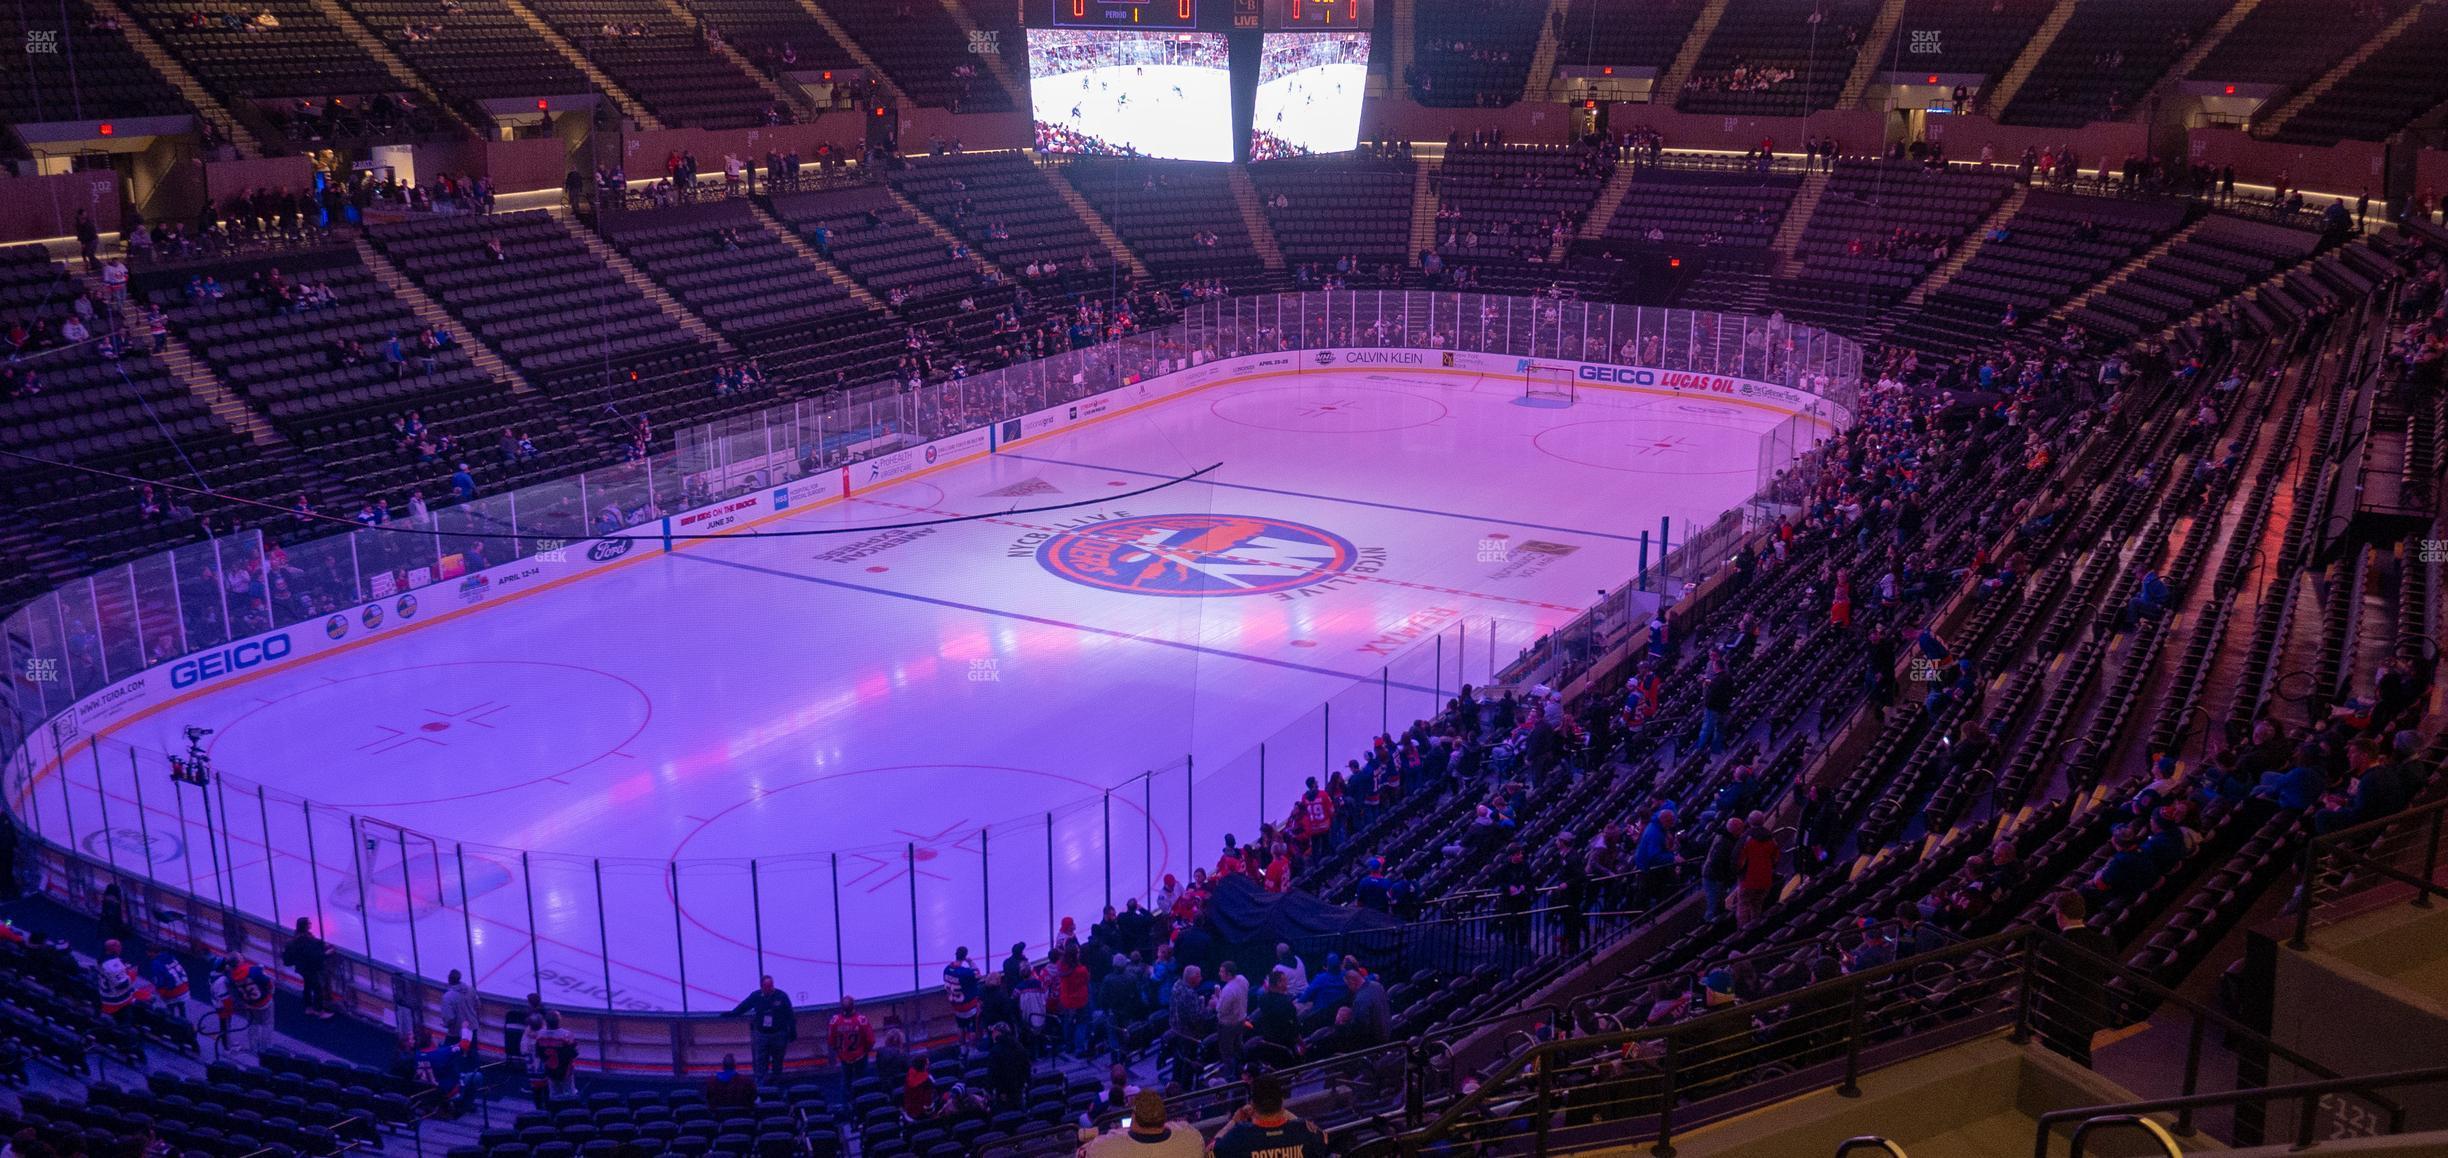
(1542, 383)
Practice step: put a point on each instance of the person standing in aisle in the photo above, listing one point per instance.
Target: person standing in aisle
(458, 1008)
(1232, 1008)
(851, 1040)
(311, 957)
(772, 1026)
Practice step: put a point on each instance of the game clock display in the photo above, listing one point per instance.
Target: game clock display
(1124, 13)
(1319, 15)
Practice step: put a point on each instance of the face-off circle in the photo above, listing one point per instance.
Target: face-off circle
(1196, 555)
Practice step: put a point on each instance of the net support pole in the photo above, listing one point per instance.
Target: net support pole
(1189, 810)
(985, 897)
(229, 851)
(1049, 819)
(357, 851)
(467, 915)
(416, 952)
(1108, 804)
(1262, 783)
(110, 850)
(679, 938)
(535, 948)
(68, 814)
(911, 851)
(603, 949)
(841, 970)
(263, 816)
(756, 913)
(144, 826)
(314, 867)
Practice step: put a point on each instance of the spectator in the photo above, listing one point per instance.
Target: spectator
(1148, 1133)
(308, 954)
(1191, 1020)
(1277, 1019)
(1370, 1007)
(1721, 869)
(1759, 861)
(2076, 1001)
(918, 1090)
(458, 1007)
(552, 1052)
(1007, 1065)
(1232, 1009)
(772, 1026)
(850, 1039)
(1265, 1129)
(727, 1089)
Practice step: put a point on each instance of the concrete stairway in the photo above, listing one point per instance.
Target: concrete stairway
(991, 61)
(1873, 53)
(949, 238)
(1994, 101)
(1541, 83)
(1423, 208)
(206, 104)
(604, 252)
(2266, 125)
(191, 372)
(1788, 241)
(788, 96)
(2118, 276)
(365, 38)
(1687, 57)
(807, 253)
(1963, 254)
(621, 98)
(1603, 210)
(431, 313)
(1254, 218)
(1096, 224)
(2233, 15)
(1406, 42)
(841, 36)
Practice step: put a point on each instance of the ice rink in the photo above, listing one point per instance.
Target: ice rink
(935, 735)
(1159, 110)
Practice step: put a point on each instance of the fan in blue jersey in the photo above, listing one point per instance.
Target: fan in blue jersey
(1264, 1129)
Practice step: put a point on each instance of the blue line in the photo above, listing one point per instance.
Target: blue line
(1043, 621)
(1338, 499)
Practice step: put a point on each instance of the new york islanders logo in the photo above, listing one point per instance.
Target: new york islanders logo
(1196, 555)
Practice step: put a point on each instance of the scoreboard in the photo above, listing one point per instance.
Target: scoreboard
(1151, 14)
(1304, 15)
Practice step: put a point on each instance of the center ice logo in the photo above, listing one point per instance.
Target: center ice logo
(1196, 555)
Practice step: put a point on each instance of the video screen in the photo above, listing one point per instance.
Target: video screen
(1131, 94)
(1309, 88)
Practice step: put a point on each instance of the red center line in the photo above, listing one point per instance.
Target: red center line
(1092, 531)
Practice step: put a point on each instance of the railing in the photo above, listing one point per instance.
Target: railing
(110, 806)
(2307, 1117)
(1623, 1087)
(2404, 850)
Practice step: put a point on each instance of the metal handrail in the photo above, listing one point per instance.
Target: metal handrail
(2333, 845)
(1542, 1058)
(2157, 1133)
(2309, 1092)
